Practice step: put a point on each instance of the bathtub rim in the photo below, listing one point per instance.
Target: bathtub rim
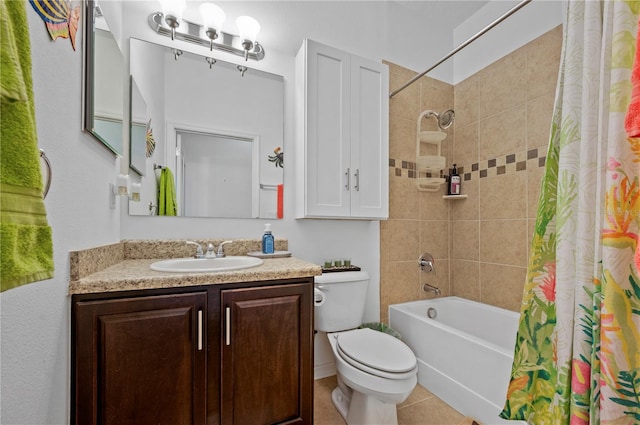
(444, 327)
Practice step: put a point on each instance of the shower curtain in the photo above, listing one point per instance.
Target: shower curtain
(577, 354)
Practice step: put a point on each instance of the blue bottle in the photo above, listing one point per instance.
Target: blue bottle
(267, 240)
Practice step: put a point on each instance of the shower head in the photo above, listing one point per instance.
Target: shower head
(444, 119)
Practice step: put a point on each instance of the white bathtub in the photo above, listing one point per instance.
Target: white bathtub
(464, 353)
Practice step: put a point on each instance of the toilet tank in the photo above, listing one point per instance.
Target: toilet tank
(339, 300)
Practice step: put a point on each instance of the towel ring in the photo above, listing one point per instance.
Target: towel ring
(47, 185)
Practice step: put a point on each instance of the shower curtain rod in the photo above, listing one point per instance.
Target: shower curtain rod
(463, 45)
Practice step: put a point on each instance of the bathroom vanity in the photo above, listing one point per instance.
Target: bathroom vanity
(197, 348)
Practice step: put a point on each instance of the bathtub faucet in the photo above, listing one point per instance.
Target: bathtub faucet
(426, 262)
(430, 288)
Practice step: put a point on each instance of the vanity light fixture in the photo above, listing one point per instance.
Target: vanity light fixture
(169, 23)
(172, 11)
(213, 17)
(249, 29)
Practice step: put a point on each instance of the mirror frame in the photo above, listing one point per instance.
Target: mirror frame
(88, 75)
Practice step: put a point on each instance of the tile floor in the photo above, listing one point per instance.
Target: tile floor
(421, 408)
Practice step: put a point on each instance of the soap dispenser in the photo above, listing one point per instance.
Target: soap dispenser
(267, 240)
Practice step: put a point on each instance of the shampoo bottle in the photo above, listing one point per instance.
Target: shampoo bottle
(454, 181)
(267, 240)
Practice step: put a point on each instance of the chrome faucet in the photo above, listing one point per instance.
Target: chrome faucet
(220, 253)
(430, 288)
(426, 262)
(199, 251)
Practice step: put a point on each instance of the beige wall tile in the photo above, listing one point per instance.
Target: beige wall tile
(467, 209)
(435, 95)
(404, 240)
(534, 181)
(405, 104)
(465, 279)
(465, 146)
(438, 278)
(467, 100)
(403, 199)
(384, 245)
(434, 238)
(539, 114)
(503, 133)
(402, 139)
(543, 63)
(504, 242)
(504, 109)
(503, 196)
(465, 240)
(404, 285)
(432, 206)
(502, 286)
(503, 84)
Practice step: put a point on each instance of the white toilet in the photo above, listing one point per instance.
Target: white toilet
(375, 370)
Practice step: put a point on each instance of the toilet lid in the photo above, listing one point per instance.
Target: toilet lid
(376, 352)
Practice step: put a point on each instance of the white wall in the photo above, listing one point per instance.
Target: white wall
(34, 321)
(35, 318)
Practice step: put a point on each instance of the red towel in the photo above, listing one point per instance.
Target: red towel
(632, 119)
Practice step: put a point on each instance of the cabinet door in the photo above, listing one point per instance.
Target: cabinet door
(140, 360)
(327, 132)
(369, 139)
(267, 355)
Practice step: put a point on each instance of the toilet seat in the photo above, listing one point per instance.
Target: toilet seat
(376, 353)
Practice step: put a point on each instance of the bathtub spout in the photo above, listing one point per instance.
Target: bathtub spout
(430, 288)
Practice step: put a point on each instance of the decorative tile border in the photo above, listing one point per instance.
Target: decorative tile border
(506, 164)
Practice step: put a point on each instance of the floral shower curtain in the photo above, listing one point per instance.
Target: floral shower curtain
(577, 355)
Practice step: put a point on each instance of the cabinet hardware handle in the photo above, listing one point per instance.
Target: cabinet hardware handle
(348, 175)
(357, 176)
(199, 330)
(227, 333)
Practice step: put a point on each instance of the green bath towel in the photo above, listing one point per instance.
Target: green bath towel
(26, 248)
(167, 204)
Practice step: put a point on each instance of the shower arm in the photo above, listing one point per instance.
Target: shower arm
(463, 45)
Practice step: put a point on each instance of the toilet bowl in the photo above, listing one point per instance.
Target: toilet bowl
(375, 370)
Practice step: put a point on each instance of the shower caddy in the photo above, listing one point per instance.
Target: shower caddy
(432, 164)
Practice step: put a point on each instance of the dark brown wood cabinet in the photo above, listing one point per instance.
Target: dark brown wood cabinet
(141, 360)
(219, 354)
(266, 331)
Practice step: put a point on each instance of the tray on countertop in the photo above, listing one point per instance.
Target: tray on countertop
(341, 269)
(276, 254)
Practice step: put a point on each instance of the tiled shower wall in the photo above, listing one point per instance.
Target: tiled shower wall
(480, 243)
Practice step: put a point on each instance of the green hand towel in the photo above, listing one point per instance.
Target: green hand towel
(26, 249)
(167, 204)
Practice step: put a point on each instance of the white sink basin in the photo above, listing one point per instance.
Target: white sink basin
(205, 265)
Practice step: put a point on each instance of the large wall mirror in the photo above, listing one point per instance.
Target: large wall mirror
(103, 79)
(217, 127)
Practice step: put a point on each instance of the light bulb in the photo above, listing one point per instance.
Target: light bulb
(248, 27)
(212, 16)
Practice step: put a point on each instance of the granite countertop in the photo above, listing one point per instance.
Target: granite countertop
(135, 275)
